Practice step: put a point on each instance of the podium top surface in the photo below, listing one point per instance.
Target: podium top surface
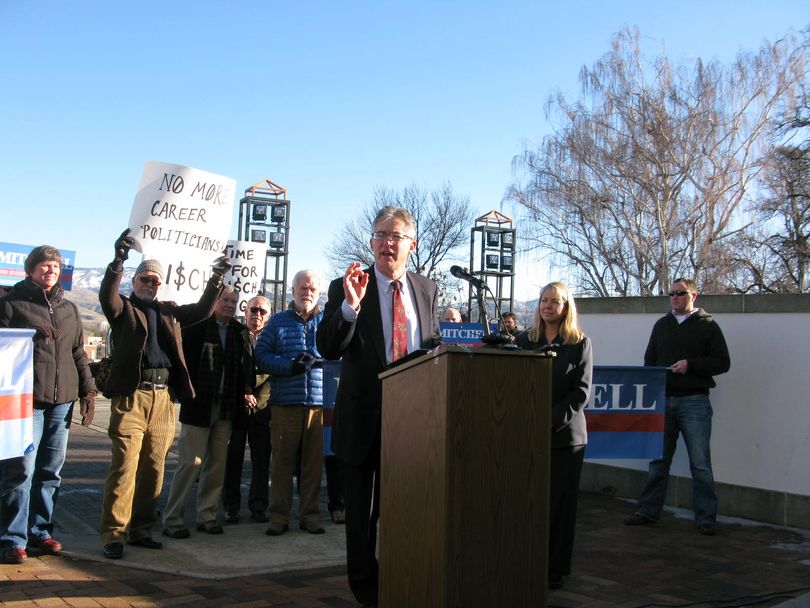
(453, 349)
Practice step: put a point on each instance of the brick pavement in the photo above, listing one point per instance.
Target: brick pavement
(666, 564)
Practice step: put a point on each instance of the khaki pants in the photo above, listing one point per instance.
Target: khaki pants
(142, 430)
(296, 429)
(200, 450)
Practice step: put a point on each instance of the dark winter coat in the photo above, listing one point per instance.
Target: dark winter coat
(206, 358)
(61, 370)
(700, 341)
(128, 326)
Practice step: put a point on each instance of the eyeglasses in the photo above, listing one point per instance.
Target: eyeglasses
(672, 294)
(379, 235)
(257, 310)
(150, 281)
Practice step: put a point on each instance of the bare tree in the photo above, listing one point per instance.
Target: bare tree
(644, 176)
(443, 222)
(780, 243)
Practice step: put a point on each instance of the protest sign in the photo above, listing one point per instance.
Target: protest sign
(182, 217)
(625, 414)
(247, 272)
(16, 392)
(12, 264)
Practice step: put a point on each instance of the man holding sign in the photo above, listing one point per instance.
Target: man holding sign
(147, 358)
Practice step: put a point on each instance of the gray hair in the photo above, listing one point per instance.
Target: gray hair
(396, 213)
(307, 274)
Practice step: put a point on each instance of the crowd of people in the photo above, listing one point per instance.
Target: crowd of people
(262, 382)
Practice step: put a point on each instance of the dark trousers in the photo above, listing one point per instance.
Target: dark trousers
(566, 467)
(361, 497)
(333, 489)
(256, 430)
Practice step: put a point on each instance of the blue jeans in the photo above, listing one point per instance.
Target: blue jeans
(29, 484)
(692, 416)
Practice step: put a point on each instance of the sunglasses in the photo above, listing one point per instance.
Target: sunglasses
(672, 294)
(256, 310)
(149, 281)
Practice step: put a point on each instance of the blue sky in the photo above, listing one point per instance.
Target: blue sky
(328, 99)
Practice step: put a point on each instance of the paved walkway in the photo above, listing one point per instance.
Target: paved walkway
(667, 564)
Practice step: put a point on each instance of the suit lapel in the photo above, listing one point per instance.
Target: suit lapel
(423, 310)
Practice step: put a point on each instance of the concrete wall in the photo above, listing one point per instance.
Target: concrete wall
(761, 426)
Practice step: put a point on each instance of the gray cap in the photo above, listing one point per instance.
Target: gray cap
(150, 266)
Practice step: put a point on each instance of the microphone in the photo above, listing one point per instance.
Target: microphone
(461, 273)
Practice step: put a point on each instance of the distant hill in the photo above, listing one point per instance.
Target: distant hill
(84, 294)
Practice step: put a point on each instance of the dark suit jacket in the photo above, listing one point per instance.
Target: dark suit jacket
(205, 372)
(362, 347)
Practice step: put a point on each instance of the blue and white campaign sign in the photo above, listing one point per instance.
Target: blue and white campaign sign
(625, 415)
(466, 334)
(182, 217)
(16, 392)
(12, 264)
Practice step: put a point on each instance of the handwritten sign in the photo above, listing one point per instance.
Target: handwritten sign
(182, 217)
(246, 275)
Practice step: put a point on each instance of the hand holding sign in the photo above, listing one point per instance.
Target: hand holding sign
(122, 245)
(221, 266)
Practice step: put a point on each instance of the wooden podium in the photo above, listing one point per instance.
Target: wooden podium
(464, 482)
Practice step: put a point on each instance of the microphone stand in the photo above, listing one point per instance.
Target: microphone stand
(482, 312)
(500, 338)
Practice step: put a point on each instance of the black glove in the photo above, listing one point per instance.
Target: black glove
(122, 245)
(87, 408)
(221, 266)
(46, 332)
(303, 362)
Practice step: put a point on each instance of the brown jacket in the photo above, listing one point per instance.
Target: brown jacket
(128, 326)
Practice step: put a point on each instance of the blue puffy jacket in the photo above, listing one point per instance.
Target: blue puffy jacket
(285, 336)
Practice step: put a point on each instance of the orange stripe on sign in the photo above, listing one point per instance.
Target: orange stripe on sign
(639, 423)
(14, 407)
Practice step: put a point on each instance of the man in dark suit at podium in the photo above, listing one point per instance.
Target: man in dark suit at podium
(372, 318)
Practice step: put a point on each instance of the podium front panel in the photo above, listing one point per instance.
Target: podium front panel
(464, 484)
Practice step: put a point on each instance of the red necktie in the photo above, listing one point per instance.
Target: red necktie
(399, 334)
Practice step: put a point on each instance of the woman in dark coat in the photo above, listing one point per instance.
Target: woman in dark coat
(29, 484)
(556, 328)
